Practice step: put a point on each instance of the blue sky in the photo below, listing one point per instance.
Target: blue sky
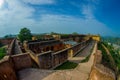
(62, 16)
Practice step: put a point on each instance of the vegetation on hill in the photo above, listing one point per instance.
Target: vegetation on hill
(24, 34)
(75, 33)
(114, 53)
(113, 40)
(9, 36)
(54, 33)
(105, 57)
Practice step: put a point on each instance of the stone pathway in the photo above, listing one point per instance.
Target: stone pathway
(83, 54)
(81, 72)
(34, 74)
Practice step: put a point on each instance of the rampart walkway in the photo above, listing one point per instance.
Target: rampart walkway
(82, 55)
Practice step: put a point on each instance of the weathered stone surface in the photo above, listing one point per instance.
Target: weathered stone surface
(34, 74)
(22, 61)
(6, 70)
(45, 60)
(102, 73)
(81, 72)
(43, 46)
(99, 71)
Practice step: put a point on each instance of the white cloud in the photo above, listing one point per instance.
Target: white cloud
(91, 24)
(13, 16)
(39, 1)
(17, 15)
(87, 11)
(1, 3)
(64, 24)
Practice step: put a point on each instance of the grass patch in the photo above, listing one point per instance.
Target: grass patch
(2, 52)
(67, 65)
(86, 59)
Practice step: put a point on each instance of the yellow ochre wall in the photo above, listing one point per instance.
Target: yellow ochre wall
(97, 38)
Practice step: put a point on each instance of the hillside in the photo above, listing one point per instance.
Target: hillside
(113, 40)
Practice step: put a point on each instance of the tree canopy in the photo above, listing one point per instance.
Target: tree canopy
(54, 33)
(75, 33)
(9, 36)
(24, 34)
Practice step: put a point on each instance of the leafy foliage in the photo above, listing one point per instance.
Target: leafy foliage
(25, 34)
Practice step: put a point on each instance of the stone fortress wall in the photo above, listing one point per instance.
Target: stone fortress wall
(9, 65)
(7, 71)
(6, 41)
(51, 59)
(99, 71)
(17, 60)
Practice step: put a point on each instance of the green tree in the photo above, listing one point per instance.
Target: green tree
(9, 36)
(75, 33)
(24, 34)
(53, 33)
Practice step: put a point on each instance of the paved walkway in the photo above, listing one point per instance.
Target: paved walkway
(83, 54)
(81, 72)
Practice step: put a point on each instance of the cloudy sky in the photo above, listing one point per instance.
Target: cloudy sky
(63, 16)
